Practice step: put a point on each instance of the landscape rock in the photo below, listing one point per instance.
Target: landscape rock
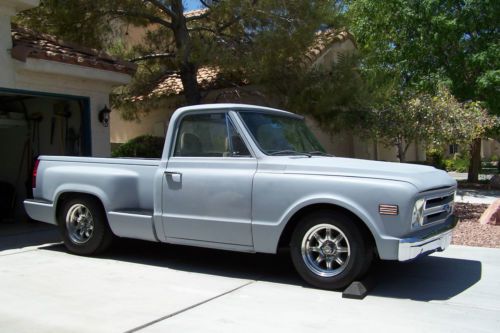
(492, 214)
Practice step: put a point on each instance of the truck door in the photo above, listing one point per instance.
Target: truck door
(207, 186)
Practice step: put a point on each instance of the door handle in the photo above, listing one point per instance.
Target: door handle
(176, 176)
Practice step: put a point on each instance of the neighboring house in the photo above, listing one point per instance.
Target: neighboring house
(51, 95)
(169, 89)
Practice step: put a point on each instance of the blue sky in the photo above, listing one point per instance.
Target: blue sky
(192, 4)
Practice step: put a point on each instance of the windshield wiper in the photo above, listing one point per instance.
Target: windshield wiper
(319, 153)
(290, 152)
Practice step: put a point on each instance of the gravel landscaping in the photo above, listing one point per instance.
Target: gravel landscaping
(470, 232)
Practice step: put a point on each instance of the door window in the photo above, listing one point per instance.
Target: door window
(209, 135)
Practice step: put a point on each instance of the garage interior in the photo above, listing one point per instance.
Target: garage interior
(33, 125)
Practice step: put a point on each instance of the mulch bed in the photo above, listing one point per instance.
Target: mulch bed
(470, 232)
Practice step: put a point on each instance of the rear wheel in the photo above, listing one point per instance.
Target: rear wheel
(328, 250)
(84, 226)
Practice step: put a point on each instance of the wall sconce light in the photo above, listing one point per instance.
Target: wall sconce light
(104, 116)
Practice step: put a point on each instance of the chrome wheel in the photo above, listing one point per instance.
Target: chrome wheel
(79, 224)
(325, 250)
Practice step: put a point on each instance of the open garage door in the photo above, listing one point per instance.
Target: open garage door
(31, 125)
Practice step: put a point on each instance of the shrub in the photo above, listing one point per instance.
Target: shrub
(458, 165)
(435, 158)
(146, 146)
(494, 158)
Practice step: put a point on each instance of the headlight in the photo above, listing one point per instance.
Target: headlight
(417, 217)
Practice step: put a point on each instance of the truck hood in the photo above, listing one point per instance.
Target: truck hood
(422, 177)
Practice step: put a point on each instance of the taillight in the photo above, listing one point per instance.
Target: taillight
(35, 171)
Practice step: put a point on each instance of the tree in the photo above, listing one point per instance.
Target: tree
(432, 120)
(247, 36)
(421, 44)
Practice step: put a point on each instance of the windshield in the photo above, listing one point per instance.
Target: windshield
(281, 135)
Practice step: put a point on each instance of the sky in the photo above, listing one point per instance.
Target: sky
(192, 4)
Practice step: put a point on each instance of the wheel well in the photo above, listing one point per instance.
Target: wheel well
(286, 235)
(64, 197)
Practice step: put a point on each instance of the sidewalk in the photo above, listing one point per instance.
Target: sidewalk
(486, 197)
(474, 196)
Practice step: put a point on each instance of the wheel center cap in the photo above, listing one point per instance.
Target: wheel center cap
(328, 249)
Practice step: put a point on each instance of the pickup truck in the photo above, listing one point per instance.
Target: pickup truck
(253, 179)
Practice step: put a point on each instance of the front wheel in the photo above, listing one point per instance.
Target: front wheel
(328, 250)
(84, 226)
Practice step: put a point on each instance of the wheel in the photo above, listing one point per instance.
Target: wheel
(328, 250)
(84, 226)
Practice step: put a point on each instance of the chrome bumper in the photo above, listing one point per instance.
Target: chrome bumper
(438, 240)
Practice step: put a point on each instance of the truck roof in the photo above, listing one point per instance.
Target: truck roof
(233, 106)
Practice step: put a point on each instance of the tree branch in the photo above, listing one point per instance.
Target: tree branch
(163, 8)
(219, 29)
(153, 56)
(204, 3)
(150, 18)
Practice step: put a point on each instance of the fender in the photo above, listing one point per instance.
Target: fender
(267, 236)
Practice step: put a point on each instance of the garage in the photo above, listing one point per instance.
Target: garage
(54, 99)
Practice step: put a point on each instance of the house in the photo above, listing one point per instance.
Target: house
(53, 98)
(169, 90)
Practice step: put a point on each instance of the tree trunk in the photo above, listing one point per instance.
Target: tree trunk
(189, 73)
(475, 161)
(188, 69)
(401, 152)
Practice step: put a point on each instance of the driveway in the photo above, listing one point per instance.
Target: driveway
(148, 287)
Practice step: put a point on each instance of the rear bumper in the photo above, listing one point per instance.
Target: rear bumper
(40, 210)
(428, 241)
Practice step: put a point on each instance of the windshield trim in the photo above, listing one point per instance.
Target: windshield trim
(282, 114)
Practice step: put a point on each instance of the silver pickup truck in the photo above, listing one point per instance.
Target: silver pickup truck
(252, 179)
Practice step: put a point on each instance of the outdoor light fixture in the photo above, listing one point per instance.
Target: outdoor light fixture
(104, 116)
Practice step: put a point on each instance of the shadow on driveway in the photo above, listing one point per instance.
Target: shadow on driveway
(24, 234)
(426, 279)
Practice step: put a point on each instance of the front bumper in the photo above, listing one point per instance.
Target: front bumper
(427, 241)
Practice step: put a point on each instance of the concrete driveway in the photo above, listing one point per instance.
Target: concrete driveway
(148, 287)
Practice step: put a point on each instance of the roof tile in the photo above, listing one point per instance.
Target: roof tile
(30, 44)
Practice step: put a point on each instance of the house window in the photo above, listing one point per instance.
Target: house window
(453, 149)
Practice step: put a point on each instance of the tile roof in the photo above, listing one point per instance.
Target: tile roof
(195, 12)
(30, 44)
(209, 77)
(171, 84)
(324, 39)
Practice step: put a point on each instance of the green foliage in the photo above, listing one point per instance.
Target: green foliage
(254, 39)
(494, 158)
(432, 120)
(146, 146)
(333, 95)
(424, 43)
(435, 157)
(456, 164)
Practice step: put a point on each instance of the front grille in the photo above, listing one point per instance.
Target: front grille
(438, 206)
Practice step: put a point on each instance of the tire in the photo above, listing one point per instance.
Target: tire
(329, 259)
(84, 226)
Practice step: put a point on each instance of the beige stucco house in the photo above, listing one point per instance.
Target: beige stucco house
(51, 94)
(326, 51)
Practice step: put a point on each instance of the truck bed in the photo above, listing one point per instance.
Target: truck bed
(125, 186)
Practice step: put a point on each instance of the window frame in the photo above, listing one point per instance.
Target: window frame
(228, 119)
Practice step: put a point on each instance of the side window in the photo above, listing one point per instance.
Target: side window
(208, 135)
